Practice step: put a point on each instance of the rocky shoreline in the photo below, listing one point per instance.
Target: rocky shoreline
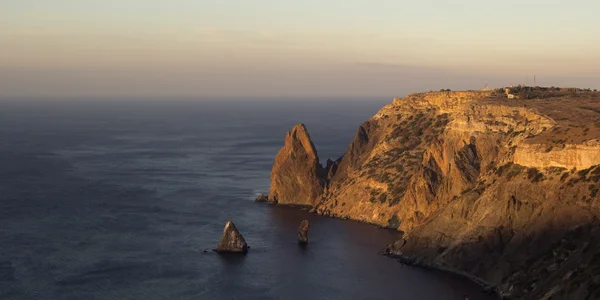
(420, 262)
(446, 170)
(486, 287)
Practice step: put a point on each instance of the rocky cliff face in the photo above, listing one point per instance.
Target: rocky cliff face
(297, 177)
(478, 185)
(571, 156)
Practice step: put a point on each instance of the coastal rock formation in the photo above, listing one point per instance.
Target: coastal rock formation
(262, 198)
(303, 232)
(506, 191)
(567, 156)
(232, 240)
(297, 177)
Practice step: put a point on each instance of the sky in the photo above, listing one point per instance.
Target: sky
(279, 48)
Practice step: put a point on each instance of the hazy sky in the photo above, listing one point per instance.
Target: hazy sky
(198, 48)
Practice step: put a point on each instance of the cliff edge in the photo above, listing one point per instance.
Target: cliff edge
(506, 190)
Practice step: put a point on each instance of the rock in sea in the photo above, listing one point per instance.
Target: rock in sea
(303, 232)
(262, 198)
(232, 240)
(297, 177)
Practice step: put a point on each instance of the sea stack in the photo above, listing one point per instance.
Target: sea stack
(503, 190)
(303, 232)
(297, 178)
(232, 240)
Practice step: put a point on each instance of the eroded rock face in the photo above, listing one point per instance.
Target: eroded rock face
(482, 186)
(303, 232)
(297, 177)
(232, 240)
(570, 156)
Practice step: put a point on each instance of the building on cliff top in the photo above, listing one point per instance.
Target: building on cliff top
(509, 95)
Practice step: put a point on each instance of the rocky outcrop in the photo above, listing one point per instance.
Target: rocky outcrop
(483, 186)
(262, 198)
(566, 156)
(303, 232)
(232, 240)
(297, 178)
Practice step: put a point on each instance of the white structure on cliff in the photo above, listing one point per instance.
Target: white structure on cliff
(508, 94)
(486, 88)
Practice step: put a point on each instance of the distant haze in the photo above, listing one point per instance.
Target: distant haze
(269, 48)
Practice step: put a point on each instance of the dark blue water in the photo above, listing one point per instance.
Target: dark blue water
(118, 200)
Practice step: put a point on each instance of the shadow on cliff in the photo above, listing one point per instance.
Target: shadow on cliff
(558, 263)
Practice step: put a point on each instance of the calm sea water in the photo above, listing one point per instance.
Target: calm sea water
(118, 200)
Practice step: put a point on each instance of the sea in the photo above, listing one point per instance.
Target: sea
(125, 198)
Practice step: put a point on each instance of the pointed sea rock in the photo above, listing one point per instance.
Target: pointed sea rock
(232, 240)
(297, 178)
(303, 232)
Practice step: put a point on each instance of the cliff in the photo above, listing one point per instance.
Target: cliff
(570, 156)
(504, 190)
(297, 177)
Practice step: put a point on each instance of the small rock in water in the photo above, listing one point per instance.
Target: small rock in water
(303, 232)
(232, 240)
(262, 198)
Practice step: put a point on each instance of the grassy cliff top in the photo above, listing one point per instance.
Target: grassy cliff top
(575, 111)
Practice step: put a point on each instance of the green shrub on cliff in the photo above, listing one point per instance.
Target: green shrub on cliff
(535, 175)
(593, 190)
(383, 198)
(510, 170)
(394, 222)
(556, 170)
